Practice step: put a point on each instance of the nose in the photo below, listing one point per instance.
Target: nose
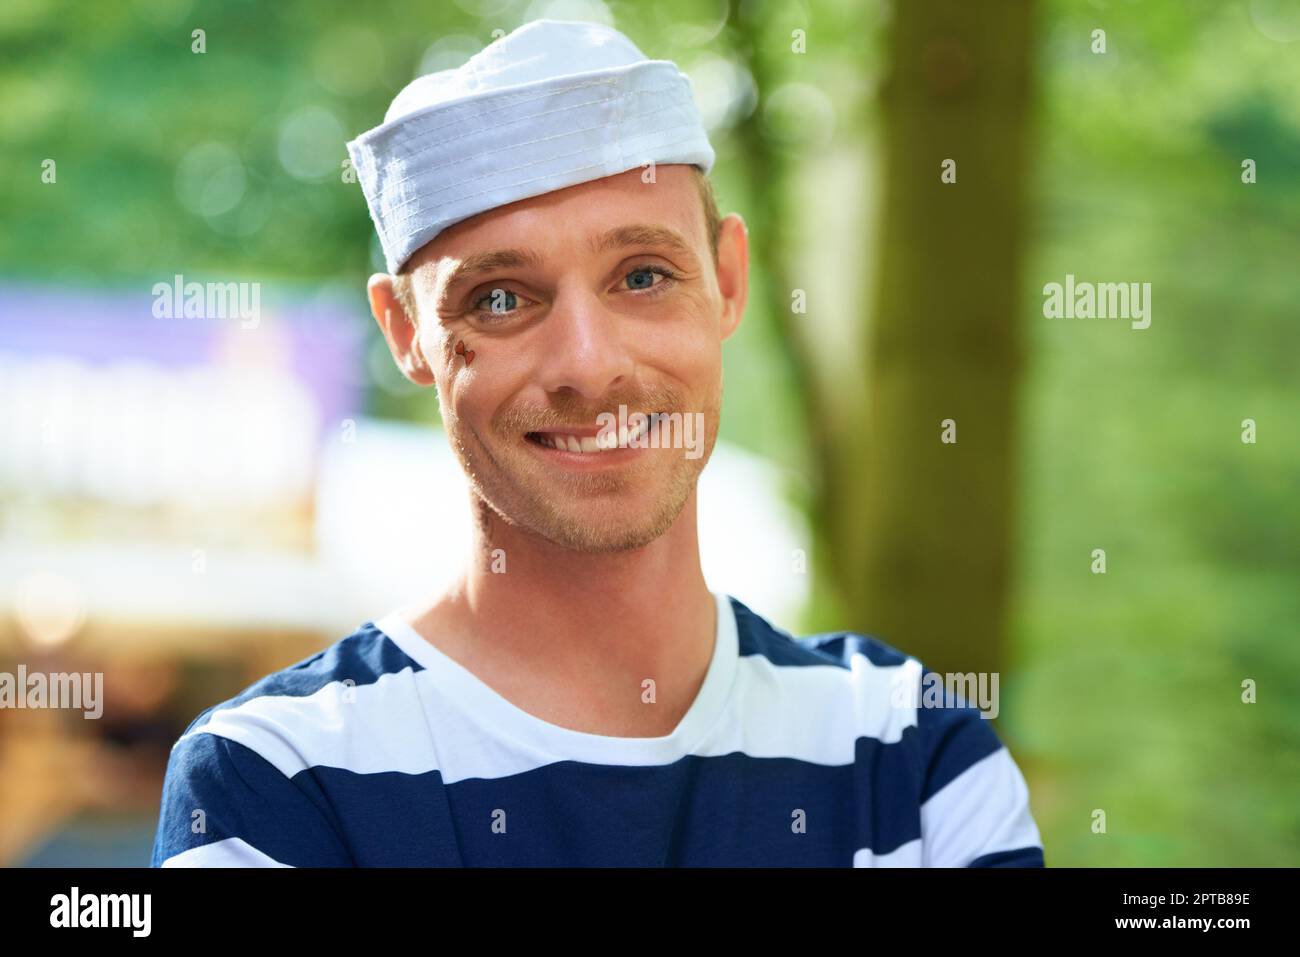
(586, 346)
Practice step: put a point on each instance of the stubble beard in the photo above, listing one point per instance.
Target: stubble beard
(523, 494)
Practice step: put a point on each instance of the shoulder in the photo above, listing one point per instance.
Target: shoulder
(950, 713)
(926, 738)
(931, 730)
(290, 716)
(931, 744)
(240, 787)
(845, 687)
(757, 635)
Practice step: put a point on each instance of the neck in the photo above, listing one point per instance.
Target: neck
(655, 586)
(572, 635)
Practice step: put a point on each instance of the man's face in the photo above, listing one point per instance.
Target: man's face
(573, 304)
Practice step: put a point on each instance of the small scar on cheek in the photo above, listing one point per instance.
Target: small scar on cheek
(462, 351)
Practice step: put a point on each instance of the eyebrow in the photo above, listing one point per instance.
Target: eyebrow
(478, 263)
(639, 234)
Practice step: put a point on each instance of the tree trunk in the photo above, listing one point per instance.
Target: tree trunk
(945, 341)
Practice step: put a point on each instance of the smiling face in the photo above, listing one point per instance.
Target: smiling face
(572, 304)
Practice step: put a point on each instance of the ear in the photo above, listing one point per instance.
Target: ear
(733, 271)
(399, 329)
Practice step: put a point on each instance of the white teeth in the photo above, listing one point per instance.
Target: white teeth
(593, 443)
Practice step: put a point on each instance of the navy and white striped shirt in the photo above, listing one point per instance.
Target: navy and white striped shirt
(382, 750)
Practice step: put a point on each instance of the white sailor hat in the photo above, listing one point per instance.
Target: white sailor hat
(553, 104)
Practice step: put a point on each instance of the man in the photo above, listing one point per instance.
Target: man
(580, 697)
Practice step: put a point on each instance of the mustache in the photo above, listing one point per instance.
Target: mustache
(573, 410)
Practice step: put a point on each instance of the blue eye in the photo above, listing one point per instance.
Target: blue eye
(643, 277)
(499, 302)
(502, 302)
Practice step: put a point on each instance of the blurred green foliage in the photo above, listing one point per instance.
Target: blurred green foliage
(1129, 685)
